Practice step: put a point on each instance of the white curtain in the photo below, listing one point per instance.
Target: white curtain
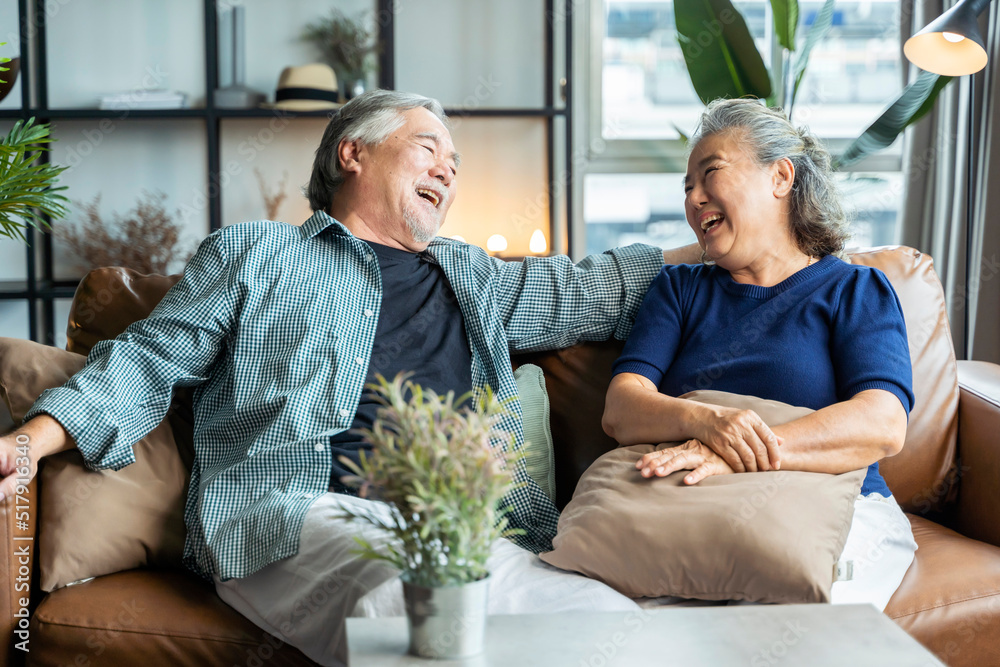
(935, 162)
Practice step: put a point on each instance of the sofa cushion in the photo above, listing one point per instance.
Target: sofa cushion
(577, 379)
(918, 475)
(151, 619)
(538, 457)
(96, 522)
(949, 599)
(762, 537)
(109, 299)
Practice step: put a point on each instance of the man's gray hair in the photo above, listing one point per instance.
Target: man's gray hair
(369, 118)
(817, 217)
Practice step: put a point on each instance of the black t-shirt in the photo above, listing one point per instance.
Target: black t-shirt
(420, 330)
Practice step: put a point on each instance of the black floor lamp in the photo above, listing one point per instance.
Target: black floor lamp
(952, 46)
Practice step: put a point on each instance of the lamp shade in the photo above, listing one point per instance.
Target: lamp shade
(951, 44)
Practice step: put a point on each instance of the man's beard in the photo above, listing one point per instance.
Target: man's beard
(422, 229)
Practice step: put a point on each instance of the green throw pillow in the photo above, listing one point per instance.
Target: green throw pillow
(535, 409)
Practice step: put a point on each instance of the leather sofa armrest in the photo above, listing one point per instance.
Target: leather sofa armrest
(977, 514)
(18, 523)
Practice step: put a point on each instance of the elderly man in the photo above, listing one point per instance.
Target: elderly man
(279, 327)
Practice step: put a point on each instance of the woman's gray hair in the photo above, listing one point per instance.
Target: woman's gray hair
(818, 222)
(369, 118)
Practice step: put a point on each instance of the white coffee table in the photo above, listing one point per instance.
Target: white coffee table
(756, 636)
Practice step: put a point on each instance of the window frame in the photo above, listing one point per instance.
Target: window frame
(597, 155)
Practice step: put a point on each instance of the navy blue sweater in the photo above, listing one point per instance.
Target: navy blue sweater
(821, 336)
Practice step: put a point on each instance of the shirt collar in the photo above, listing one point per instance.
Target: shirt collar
(319, 221)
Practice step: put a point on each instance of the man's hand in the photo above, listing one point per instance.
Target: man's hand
(21, 451)
(689, 254)
(740, 437)
(692, 455)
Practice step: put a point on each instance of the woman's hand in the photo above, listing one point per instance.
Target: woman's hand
(692, 455)
(740, 437)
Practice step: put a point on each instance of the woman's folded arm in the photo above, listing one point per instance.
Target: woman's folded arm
(635, 412)
(845, 436)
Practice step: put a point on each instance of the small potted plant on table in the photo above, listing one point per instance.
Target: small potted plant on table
(443, 470)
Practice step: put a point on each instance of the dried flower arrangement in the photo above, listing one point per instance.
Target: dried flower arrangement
(443, 470)
(146, 238)
(272, 199)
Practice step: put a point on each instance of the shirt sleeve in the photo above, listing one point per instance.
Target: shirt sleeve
(655, 338)
(868, 341)
(550, 303)
(126, 387)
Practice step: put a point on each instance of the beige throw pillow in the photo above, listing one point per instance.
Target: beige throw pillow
(763, 537)
(95, 523)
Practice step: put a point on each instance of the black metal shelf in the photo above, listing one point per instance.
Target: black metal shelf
(265, 112)
(118, 114)
(40, 290)
(501, 112)
(14, 289)
(11, 290)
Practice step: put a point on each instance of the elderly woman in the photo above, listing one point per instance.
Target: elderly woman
(772, 312)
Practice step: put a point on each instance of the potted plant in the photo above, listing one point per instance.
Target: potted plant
(442, 470)
(27, 191)
(346, 46)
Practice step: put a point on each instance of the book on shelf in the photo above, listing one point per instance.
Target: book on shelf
(144, 99)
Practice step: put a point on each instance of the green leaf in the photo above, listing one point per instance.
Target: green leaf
(916, 100)
(685, 137)
(786, 20)
(719, 50)
(27, 188)
(821, 26)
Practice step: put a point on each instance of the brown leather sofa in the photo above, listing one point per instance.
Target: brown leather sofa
(947, 478)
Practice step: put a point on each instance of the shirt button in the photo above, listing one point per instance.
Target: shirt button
(344, 412)
(359, 361)
(369, 312)
(369, 258)
(319, 447)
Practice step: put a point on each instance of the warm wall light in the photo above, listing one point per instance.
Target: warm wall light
(458, 237)
(538, 244)
(951, 44)
(496, 243)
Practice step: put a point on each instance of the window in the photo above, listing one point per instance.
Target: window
(639, 98)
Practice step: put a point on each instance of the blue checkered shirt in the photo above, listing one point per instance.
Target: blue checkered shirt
(274, 325)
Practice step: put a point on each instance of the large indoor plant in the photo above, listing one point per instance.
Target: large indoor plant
(27, 186)
(729, 65)
(442, 467)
